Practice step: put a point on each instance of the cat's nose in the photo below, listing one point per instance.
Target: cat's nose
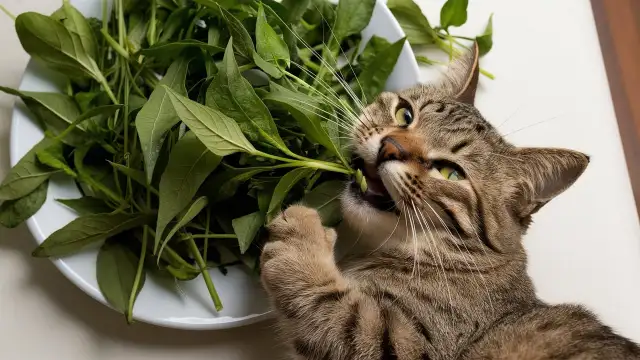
(391, 149)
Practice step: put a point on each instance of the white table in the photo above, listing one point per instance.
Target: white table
(584, 248)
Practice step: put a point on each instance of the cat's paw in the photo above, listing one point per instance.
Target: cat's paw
(299, 228)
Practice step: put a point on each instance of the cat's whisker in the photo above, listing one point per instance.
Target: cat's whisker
(534, 124)
(437, 254)
(462, 253)
(387, 239)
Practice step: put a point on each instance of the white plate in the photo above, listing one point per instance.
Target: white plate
(242, 296)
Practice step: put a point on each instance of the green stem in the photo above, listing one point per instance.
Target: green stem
(314, 164)
(172, 257)
(152, 24)
(205, 274)
(9, 14)
(105, 16)
(206, 232)
(136, 280)
(214, 236)
(112, 42)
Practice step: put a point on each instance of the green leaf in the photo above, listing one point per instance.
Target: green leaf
(190, 163)
(306, 110)
(194, 209)
(352, 17)
(15, 212)
(413, 22)
(157, 116)
(176, 21)
(86, 231)
(135, 175)
(374, 76)
(224, 184)
(375, 46)
(49, 42)
(94, 176)
(53, 156)
(247, 228)
(55, 110)
(217, 132)
(485, 40)
(233, 95)
(27, 175)
(453, 13)
(296, 9)
(75, 22)
(171, 50)
(242, 42)
(284, 186)
(87, 205)
(326, 199)
(116, 270)
(270, 46)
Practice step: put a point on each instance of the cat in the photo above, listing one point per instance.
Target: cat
(444, 275)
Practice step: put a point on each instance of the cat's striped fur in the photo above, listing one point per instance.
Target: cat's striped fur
(444, 276)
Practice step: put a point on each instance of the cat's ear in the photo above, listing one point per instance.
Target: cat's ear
(461, 79)
(546, 173)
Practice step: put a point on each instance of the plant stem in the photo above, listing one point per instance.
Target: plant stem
(214, 236)
(9, 14)
(206, 232)
(136, 280)
(152, 24)
(205, 274)
(314, 164)
(112, 42)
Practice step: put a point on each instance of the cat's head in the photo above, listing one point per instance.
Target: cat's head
(433, 164)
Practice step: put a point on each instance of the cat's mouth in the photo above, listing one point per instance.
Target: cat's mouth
(376, 194)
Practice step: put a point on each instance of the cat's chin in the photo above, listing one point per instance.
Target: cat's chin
(368, 225)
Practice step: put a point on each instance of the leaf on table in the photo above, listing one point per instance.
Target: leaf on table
(374, 76)
(87, 205)
(233, 95)
(190, 163)
(86, 231)
(307, 111)
(53, 156)
(453, 13)
(217, 132)
(116, 270)
(352, 17)
(325, 198)
(485, 40)
(48, 41)
(284, 187)
(246, 228)
(413, 22)
(26, 175)
(15, 212)
(158, 116)
(194, 209)
(171, 50)
(269, 45)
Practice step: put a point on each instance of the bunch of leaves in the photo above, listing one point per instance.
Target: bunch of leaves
(421, 33)
(188, 124)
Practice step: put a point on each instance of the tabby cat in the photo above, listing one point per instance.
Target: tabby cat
(442, 271)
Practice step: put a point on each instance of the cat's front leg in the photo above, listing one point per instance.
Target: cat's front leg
(298, 266)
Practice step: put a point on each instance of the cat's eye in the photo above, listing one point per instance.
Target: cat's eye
(452, 174)
(404, 116)
(446, 170)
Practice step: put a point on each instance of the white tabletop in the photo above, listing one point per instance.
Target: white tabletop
(584, 248)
